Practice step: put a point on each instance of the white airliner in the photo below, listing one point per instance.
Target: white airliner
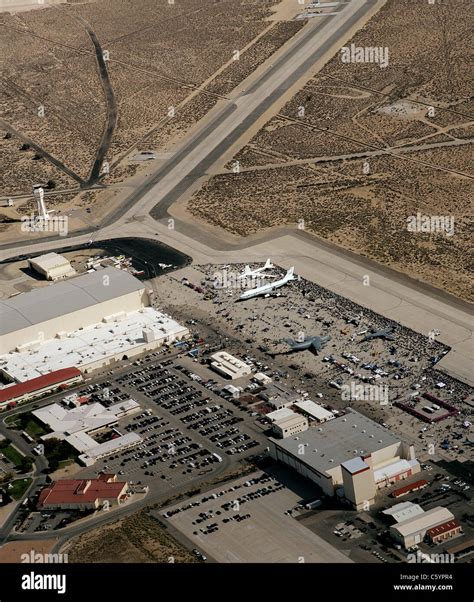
(267, 289)
(248, 273)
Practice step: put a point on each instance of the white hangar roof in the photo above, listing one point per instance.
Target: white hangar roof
(49, 302)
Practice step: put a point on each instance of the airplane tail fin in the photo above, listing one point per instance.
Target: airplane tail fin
(289, 273)
(268, 264)
(247, 270)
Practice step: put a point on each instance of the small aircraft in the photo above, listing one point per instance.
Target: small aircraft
(248, 273)
(267, 289)
(380, 334)
(313, 343)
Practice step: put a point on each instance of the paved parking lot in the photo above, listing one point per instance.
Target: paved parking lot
(247, 520)
(188, 431)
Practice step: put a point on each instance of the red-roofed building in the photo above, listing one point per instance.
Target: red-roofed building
(13, 394)
(444, 531)
(83, 494)
(409, 488)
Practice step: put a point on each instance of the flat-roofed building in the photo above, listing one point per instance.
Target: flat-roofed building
(261, 378)
(90, 418)
(77, 426)
(319, 454)
(358, 481)
(421, 484)
(229, 366)
(88, 322)
(279, 396)
(279, 414)
(119, 444)
(412, 531)
(314, 410)
(290, 425)
(52, 266)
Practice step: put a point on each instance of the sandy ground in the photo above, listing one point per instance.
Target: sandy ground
(17, 6)
(5, 511)
(66, 473)
(11, 552)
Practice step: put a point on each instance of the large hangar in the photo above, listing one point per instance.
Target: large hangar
(53, 311)
(350, 455)
(87, 322)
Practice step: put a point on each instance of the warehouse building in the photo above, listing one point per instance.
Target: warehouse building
(52, 266)
(279, 396)
(349, 456)
(315, 411)
(229, 366)
(290, 425)
(416, 486)
(83, 494)
(89, 322)
(403, 511)
(261, 379)
(279, 414)
(413, 530)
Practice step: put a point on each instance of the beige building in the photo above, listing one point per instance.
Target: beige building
(90, 321)
(359, 483)
(315, 411)
(229, 366)
(349, 455)
(52, 266)
(54, 311)
(290, 425)
(412, 531)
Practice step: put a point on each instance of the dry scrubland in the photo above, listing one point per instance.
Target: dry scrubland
(281, 183)
(158, 55)
(138, 538)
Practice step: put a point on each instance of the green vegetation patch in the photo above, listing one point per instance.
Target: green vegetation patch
(18, 488)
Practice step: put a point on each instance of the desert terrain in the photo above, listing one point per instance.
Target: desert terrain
(137, 538)
(362, 148)
(85, 85)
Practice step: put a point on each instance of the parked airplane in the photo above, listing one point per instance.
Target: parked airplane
(313, 343)
(380, 334)
(247, 273)
(267, 289)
